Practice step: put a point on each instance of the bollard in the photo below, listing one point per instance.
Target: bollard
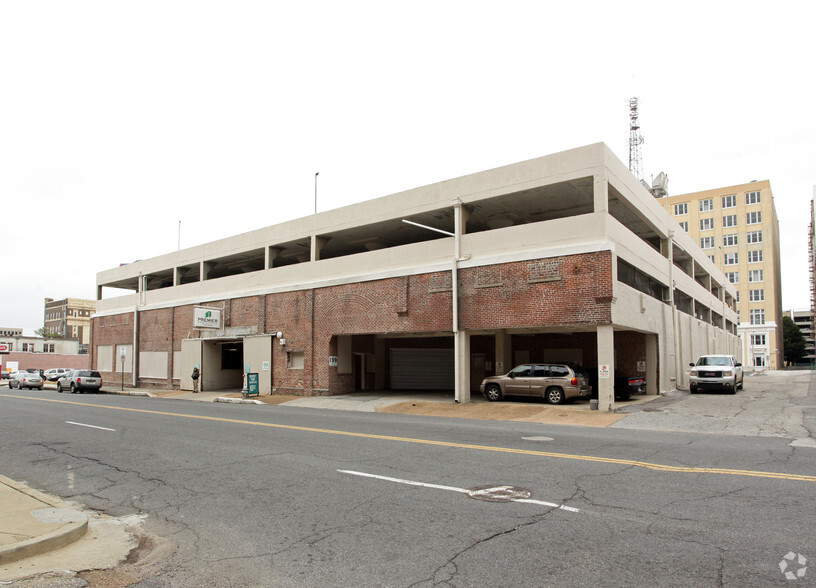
(593, 405)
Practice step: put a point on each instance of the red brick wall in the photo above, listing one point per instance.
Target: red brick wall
(569, 290)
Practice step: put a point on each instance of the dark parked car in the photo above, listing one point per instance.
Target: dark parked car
(625, 386)
(28, 380)
(79, 381)
(554, 382)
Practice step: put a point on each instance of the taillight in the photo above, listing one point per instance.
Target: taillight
(574, 381)
(79, 380)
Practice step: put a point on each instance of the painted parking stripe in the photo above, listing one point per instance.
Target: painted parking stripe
(89, 426)
(454, 489)
(591, 458)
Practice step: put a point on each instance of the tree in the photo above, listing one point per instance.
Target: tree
(794, 341)
(45, 333)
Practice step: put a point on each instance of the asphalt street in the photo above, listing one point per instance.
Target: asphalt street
(283, 496)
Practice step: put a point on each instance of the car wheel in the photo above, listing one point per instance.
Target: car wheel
(742, 381)
(555, 396)
(493, 393)
(59, 388)
(693, 389)
(73, 388)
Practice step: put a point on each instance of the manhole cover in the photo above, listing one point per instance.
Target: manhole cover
(499, 493)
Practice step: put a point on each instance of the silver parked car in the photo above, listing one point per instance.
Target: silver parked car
(28, 380)
(716, 371)
(55, 374)
(79, 381)
(554, 382)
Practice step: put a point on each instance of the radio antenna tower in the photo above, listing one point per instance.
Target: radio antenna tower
(635, 139)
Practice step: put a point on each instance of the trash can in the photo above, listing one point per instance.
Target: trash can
(593, 404)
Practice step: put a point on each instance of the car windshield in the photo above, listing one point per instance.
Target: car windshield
(724, 361)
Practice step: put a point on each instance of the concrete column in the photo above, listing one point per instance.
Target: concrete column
(606, 378)
(504, 359)
(601, 191)
(204, 270)
(462, 367)
(317, 245)
(175, 276)
(651, 364)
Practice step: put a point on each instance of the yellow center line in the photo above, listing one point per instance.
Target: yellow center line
(609, 460)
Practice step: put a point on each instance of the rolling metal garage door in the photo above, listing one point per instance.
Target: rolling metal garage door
(422, 369)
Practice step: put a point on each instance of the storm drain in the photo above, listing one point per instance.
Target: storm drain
(499, 493)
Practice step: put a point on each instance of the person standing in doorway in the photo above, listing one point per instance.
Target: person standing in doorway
(195, 376)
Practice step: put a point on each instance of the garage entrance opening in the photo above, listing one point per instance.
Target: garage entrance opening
(222, 365)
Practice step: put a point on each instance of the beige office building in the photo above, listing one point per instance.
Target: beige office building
(738, 228)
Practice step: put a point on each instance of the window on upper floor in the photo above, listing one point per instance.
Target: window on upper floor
(754, 237)
(758, 339)
(681, 209)
(729, 201)
(707, 243)
(756, 276)
(706, 205)
(706, 224)
(730, 220)
(755, 256)
(752, 198)
(756, 295)
(757, 316)
(730, 240)
(684, 226)
(731, 259)
(754, 218)
(733, 277)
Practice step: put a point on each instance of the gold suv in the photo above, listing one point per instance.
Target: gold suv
(554, 382)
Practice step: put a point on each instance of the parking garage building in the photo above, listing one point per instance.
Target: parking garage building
(564, 258)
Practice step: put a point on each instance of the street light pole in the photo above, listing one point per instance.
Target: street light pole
(460, 395)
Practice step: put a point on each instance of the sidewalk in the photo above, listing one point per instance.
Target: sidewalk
(33, 523)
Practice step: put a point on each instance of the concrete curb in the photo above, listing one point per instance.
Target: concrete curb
(237, 400)
(70, 523)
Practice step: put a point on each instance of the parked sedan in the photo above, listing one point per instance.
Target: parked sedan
(79, 381)
(716, 371)
(28, 380)
(555, 382)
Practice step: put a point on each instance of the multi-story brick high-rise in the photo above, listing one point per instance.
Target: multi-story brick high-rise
(69, 318)
(738, 228)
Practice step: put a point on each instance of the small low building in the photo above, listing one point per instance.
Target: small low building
(39, 353)
(565, 258)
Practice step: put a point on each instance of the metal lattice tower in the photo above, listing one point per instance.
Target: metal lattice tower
(635, 139)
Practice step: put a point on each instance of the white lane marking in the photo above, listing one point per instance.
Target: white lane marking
(454, 489)
(91, 426)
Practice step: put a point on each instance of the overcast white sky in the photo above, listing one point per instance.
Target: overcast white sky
(120, 119)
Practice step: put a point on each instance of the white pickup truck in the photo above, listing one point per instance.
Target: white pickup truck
(722, 372)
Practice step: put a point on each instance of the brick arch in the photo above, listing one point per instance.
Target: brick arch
(347, 298)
